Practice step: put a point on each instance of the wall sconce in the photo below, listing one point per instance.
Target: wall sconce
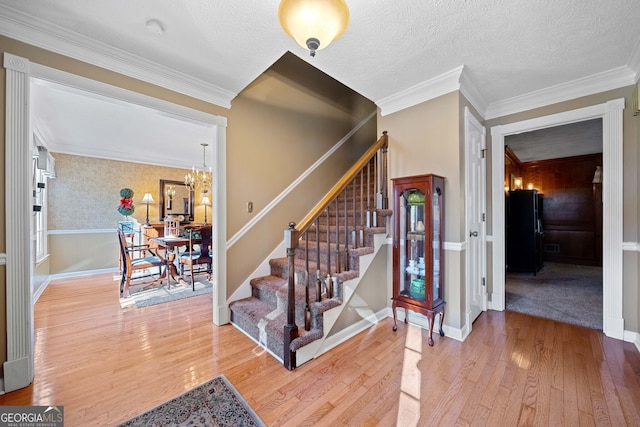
(517, 183)
(597, 176)
(171, 192)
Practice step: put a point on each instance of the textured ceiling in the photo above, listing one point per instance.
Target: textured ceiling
(575, 139)
(509, 48)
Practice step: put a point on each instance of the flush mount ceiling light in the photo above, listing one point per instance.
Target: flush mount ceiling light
(314, 24)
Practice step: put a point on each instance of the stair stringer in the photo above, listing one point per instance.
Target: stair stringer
(320, 346)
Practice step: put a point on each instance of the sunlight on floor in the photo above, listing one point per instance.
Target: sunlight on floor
(520, 359)
(409, 404)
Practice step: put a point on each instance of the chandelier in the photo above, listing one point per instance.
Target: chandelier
(314, 24)
(199, 178)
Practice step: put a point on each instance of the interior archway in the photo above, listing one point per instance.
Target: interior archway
(18, 369)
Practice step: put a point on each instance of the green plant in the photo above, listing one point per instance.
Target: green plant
(126, 207)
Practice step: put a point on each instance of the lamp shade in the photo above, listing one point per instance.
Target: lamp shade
(205, 201)
(148, 198)
(314, 24)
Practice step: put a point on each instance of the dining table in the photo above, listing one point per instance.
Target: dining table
(171, 245)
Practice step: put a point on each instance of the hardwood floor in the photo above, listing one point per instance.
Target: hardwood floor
(105, 364)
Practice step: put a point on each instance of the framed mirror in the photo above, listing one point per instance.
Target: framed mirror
(175, 199)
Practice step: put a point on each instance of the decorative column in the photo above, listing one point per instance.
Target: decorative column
(18, 369)
(612, 198)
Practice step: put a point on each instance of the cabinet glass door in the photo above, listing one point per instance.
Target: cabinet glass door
(412, 283)
(436, 245)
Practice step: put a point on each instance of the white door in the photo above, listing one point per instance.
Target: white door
(475, 192)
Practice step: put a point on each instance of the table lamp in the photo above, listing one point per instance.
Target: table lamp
(148, 198)
(205, 202)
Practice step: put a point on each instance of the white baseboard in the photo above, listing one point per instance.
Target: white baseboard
(632, 337)
(38, 292)
(353, 330)
(82, 273)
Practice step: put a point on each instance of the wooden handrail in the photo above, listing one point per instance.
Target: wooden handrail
(294, 233)
(382, 142)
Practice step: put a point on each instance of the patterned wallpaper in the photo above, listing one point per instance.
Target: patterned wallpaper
(86, 192)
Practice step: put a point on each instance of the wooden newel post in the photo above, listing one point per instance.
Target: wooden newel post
(384, 172)
(290, 329)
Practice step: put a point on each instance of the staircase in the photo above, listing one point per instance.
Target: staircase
(286, 310)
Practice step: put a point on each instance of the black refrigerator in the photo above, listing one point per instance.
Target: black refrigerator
(524, 231)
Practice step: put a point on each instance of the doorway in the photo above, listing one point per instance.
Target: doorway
(553, 198)
(612, 142)
(18, 369)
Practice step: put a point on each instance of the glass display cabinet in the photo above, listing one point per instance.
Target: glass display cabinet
(418, 252)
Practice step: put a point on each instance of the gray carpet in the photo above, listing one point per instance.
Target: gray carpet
(161, 293)
(563, 292)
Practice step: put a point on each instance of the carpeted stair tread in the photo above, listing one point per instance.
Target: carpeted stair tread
(266, 324)
(261, 321)
(263, 315)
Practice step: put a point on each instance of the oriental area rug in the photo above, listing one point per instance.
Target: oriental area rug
(143, 296)
(214, 403)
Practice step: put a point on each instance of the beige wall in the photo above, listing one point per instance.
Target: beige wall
(429, 138)
(86, 251)
(631, 183)
(426, 139)
(292, 124)
(277, 127)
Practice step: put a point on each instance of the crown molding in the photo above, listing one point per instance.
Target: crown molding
(596, 83)
(39, 33)
(472, 94)
(634, 62)
(422, 92)
(456, 79)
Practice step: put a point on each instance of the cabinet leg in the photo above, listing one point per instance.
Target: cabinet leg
(430, 318)
(441, 322)
(395, 322)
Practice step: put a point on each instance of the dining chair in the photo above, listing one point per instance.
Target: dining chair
(199, 261)
(131, 264)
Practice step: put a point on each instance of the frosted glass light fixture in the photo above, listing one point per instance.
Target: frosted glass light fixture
(314, 24)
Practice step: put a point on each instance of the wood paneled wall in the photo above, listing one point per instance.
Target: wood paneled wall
(572, 207)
